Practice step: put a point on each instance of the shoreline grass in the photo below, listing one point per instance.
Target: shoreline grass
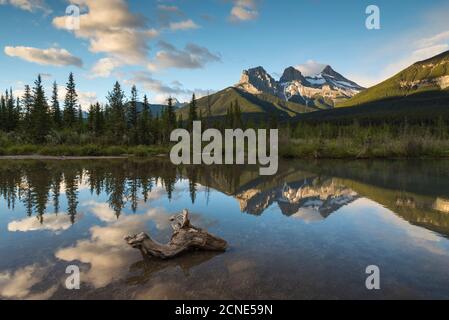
(89, 150)
(342, 148)
(353, 149)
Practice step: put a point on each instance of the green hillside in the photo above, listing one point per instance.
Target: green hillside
(251, 105)
(425, 76)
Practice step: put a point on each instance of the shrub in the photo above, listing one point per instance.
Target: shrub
(90, 150)
(114, 151)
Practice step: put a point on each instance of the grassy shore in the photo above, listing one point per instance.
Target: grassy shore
(89, 150)
(293, 148)
(343, 148)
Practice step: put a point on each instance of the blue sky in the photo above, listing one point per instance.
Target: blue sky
(176, 47)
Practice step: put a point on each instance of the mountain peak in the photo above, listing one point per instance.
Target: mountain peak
(293, 86)
(291, 74)
(331, 72)
(258, 80)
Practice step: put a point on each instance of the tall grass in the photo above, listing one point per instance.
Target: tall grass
(88, 150)
(356, 141)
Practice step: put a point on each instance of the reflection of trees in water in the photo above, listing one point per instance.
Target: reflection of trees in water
(39, 184)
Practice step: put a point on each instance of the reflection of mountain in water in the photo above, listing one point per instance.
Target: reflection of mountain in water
(441, 205)
(311, 198)
(416, 191)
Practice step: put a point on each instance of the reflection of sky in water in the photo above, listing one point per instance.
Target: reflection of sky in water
(304, 255)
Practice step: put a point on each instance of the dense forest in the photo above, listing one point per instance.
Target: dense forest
(35, 119)
(35, 124)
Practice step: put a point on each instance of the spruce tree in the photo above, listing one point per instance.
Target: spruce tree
(117, 123)
(39, 113)
(193, 116)
(70, 103)
(171, 116)
(180, 121)
(144, 126)
(55, 108)
(2, 113)
(91, 119)
(99, 120)
(11, 114)
(80, 119)
(132, 116)
(27, 104)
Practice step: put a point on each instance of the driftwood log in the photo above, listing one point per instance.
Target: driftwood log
(186, 237)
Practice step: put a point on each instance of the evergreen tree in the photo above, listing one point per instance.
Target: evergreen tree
(11, 113)
(117, 124)
(171, 114)
(39, 113)
(193, 116)
(80, 119)
(70, 103)
(55, 109)
(144, 126)
(27, 104)
(99, 120)
(132, 116)
(3, 113)
(91, 119)
(180, 121)
(164, 126)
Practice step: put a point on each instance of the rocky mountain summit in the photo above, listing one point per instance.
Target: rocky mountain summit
(322, 90)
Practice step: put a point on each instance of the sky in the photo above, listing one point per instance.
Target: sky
(178, 47)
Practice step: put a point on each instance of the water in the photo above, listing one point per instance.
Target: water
(307, 233)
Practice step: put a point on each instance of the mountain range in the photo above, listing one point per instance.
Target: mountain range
(323, 90)
(420, 88)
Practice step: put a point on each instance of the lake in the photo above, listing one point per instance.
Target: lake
(309, 232)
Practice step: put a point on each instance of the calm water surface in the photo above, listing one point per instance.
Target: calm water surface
(307, 233)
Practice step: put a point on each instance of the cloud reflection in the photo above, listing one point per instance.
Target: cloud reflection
(19, 284)
(106, 251)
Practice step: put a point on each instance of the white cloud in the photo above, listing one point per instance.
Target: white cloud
(101, 210)
(28, 5)
(164, 7)
(244, 10)
(19, 284)
(310, 68)
(145, 80)
(85, 98)
(52, 56)
(433, 40)
(55, 223)
(419, 50)
(191, 57)
(163, 91)
(415, 56)
(106, 251)
(104, 67)
(111, 28)
(183, 25)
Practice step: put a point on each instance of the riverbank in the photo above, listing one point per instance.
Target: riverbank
(76, 152)
(291, 149)
(343, 148)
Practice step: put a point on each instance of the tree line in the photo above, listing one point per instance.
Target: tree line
(33, 118)
(44, 187)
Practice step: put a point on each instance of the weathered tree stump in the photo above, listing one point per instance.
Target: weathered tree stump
(185, 238)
